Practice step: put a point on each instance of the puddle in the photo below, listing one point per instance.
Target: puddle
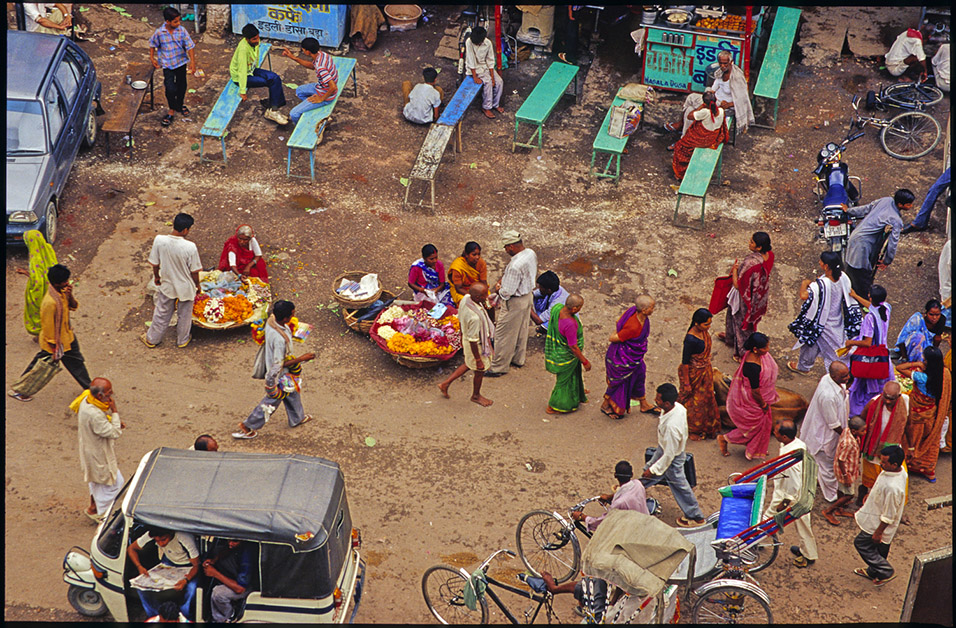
(606, 264)
(307, 201)
(460, 559)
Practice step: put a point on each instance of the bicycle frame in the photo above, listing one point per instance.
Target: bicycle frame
(543, 599)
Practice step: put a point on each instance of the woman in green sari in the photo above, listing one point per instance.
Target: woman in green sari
(563, 357)
(42, 257)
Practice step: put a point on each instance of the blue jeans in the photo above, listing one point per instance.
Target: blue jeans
(189, 591)
(265, 78)
(921, 220)
(303, 92)
(677, 481)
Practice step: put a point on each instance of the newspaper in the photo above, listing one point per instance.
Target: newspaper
(160, 578)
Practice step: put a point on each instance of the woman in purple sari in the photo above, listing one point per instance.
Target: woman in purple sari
(874, 331)
(624, 362)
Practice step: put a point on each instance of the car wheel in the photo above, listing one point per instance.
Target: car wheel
(89, 133)
(50, 230)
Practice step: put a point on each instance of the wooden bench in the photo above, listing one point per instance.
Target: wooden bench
(610, 145)
(224, 109)
(311, 126)
(449, 123)
(126, 106)
(536, 109)
(773, 68)
(698, 176)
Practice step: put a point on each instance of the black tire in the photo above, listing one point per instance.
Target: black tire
(50, 229)
(546, 544)
(913, 95)
(90, 130)
(870, 100)
(443, 588)
(762, 554)
(86, 602)
(910, 135)
(731, 605)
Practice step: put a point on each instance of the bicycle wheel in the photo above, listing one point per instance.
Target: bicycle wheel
(545, 544)
(911, 94)
(762, 554)
(730, 604)
(910, 135)
(444, 590)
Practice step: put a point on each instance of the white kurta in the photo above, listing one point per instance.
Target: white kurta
(97, 431)
(786, 486)
(829, 409)
(671, 437)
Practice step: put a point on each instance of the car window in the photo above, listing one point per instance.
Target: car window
(25, 127)
(68, 76)
(55, 112)
(77, 58)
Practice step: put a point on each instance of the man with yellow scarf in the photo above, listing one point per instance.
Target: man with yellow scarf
(99, 425)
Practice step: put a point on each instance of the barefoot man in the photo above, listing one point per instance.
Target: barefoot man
(477, 331)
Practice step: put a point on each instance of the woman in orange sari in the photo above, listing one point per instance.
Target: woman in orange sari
(929, 403)
(466, 270)
(696, 375)
(707, 131)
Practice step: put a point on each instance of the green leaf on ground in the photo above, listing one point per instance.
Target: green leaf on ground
(121, 38)
(370, 441)
(403, 181)
(291, 85)
(149, 203)
(84, 9)
(191, 91)
(194, 147)
(144, 19)
(473, 165)
(671, 272)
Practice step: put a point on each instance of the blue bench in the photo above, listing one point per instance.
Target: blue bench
(429, 157)
(311, 126)
(537, 108)
(225, 108)
(773, 68)
(605, 143)
(698, 176)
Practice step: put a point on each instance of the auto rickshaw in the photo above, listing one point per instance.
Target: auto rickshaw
(291, 508)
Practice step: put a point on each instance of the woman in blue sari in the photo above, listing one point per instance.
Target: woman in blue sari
(428, 273)
(921, 331)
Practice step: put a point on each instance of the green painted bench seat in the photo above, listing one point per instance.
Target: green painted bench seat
(773, 69)
(698, 176)
(608, 145)
(536, 109)
(225, 108)
(310, 127)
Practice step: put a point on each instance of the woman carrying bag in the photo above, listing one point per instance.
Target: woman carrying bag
(870, 358)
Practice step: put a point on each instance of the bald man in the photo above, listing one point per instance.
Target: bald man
(477, 332)
(98, 427)
(825, 420)
(886, 416)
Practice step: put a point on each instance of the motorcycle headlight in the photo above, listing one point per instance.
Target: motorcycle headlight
(23, 216)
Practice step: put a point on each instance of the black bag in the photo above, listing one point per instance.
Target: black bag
(690, 471)
(808, 331)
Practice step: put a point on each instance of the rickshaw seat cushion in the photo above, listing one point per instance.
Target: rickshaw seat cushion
(740, 509)
(738, 490)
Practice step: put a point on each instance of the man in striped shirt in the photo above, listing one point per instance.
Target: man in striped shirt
(313, 95)
(514, 301)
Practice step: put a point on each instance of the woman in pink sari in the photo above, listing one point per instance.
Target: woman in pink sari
(747, 301)
(752, 392)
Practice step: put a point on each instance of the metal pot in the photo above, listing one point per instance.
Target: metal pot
(683, 18)
(649, 14)
(710, 74)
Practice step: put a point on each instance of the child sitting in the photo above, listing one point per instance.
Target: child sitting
(422, 102)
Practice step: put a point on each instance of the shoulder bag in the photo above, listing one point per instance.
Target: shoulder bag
(39, 375)
(871, 362)
(808, 331)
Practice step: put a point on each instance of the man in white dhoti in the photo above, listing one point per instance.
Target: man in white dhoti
(98, 427)
(786, 490)
(825, 420)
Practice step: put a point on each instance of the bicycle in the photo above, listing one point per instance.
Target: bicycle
(915, 95)
(908, 135)
(443, 587)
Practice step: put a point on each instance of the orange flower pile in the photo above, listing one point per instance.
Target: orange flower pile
(237, 308)
(403, 343)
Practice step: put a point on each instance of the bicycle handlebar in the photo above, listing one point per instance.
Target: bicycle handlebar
(580, 505)
(487, 561)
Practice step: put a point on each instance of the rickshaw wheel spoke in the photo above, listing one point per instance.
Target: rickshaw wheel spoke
(443, 588)
(545, 544)
(731, 605)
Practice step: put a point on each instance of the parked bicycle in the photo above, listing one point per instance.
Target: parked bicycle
(445, 589)
(908, 135)
(904, 95)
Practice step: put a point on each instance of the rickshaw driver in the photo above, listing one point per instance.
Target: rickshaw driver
(629, 495)
(232, 568)
(177, 549)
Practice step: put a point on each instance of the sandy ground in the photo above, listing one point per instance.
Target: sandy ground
(446, 481)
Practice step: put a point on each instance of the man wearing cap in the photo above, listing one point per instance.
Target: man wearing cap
(514, 301)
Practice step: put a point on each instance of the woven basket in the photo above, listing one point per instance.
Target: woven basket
(257, 314)
(363, 327)
(412, 361)
(354, 275)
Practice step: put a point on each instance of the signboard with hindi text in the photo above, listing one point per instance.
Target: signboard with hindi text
(294, 22)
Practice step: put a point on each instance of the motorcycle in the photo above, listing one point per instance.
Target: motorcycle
(837, 191)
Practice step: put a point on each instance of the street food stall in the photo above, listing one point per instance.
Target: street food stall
(679, 43)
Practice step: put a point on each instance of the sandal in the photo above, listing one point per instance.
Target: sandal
(722, 443)
(184, 110)
(19, 396)
(307, 418)
(654, 410)
(684, 522)
(793, 367)
(802, 562)
(245, 435)
(670, 126)
(860, 571)
(488, 114)
(613, 415)
(880, 583)
(167, 120)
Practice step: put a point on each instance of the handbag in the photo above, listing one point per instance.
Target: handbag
(259, 363)
(808, 331)
(690, 471)
(871, 362)
(39, 375)
(718, 298)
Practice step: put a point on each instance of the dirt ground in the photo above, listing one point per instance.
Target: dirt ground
(446, 481)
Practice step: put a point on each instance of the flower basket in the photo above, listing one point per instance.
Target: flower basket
(350, 315)
(354, 275)
(253, 291)
(408, 359)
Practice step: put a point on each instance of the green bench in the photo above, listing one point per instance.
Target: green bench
(698, 176)
(310, 127)
(224, 110)
(536, 109)
(606, 144)
(773, 68)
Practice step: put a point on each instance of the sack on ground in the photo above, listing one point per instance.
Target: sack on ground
(33, 381)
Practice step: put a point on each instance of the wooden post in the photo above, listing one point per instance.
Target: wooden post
(498, 36)
(748, 28)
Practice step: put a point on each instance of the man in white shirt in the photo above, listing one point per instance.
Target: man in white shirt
(176, 549)
(825, 420)
(480, 63)
(178, 281)
(98, 427)
(667, 463)
(423, 100)
(906, 56)
(514, 300)
(629, 495)
(786, 490)
(880, 517)
(941, 67)
(52, 18)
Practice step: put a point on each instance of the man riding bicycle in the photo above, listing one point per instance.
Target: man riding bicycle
(629, 495)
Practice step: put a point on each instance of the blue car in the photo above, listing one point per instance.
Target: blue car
(53, 98)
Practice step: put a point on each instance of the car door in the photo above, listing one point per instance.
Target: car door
(67, 76)
(60, 140)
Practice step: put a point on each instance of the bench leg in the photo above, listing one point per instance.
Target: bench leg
(222, 140)
(432, 182)
(354, 84)
(312, 165)
(703, 204)
(677, 207)
(202, 145)
(514, 142)
(591, 169)
(288, 163)
(617, 169)
(407, 190)
(541, 136)
(131, 142)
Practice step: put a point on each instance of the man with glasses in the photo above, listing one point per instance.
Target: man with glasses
(886, 416)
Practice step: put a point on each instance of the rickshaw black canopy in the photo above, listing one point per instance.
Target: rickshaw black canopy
(274, 498)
